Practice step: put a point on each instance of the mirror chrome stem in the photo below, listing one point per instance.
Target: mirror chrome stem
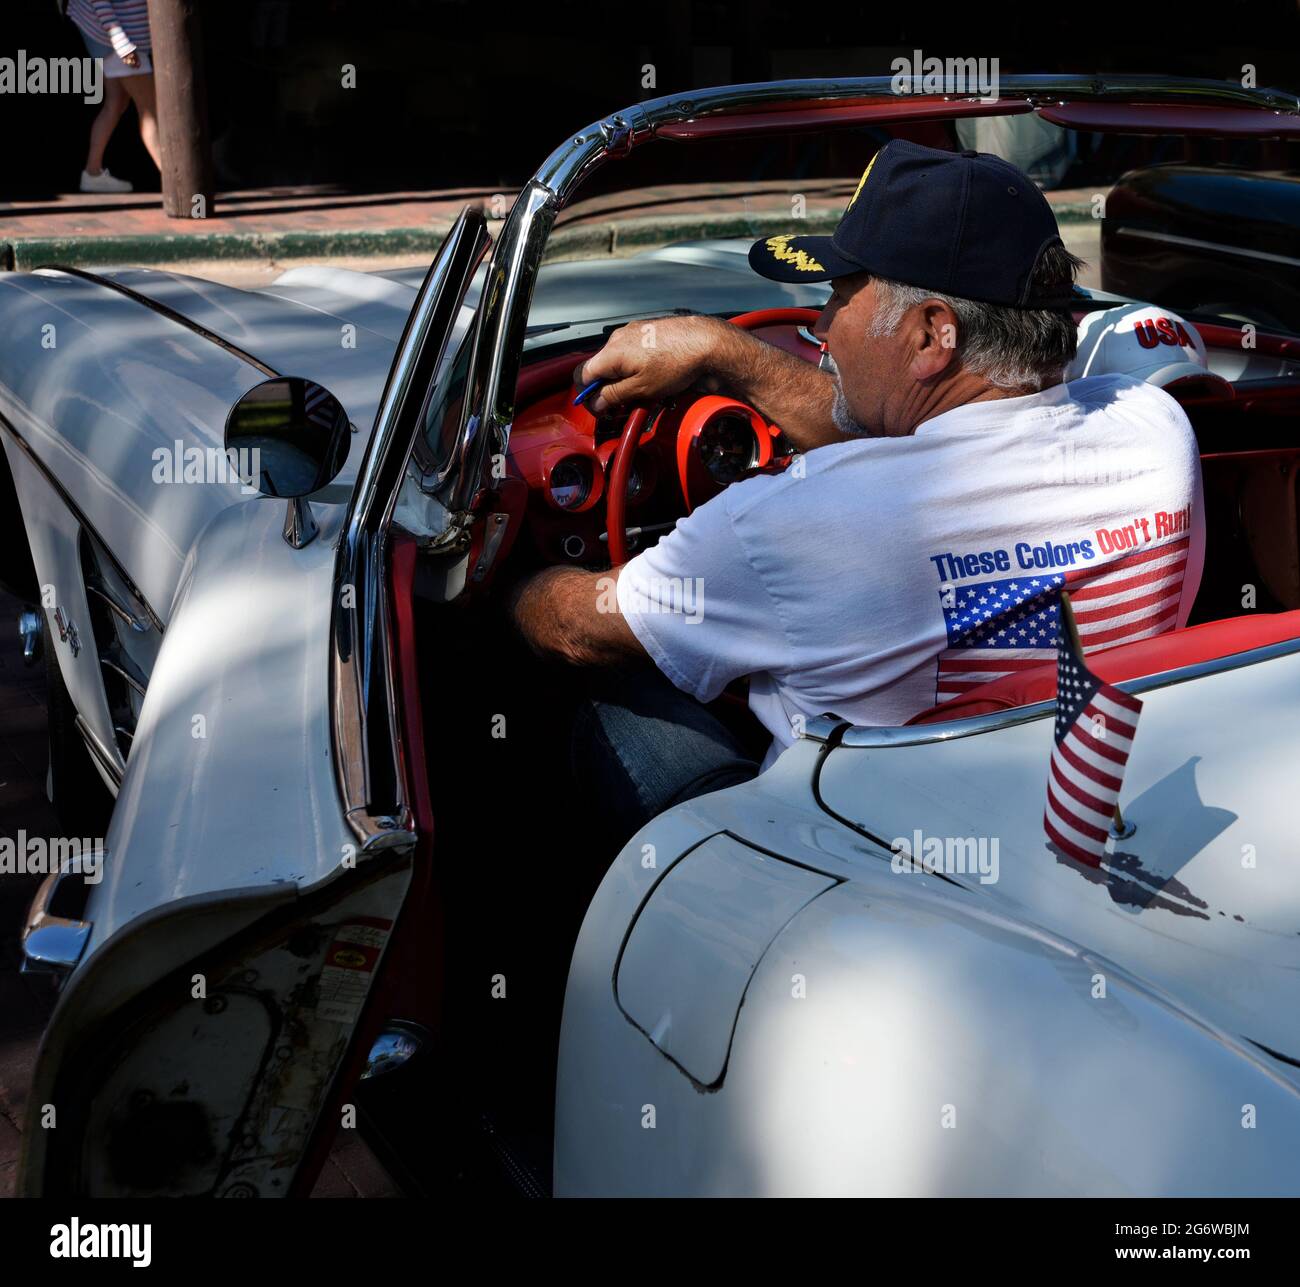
(299, 523)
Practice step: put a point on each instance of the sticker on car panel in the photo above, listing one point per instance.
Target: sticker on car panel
(350, 960)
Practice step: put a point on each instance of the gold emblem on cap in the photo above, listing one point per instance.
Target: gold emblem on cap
(861, 181)
(800, 260)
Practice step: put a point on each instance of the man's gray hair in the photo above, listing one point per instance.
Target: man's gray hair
(1011, 348)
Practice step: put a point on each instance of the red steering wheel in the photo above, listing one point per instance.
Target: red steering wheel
(621, 466)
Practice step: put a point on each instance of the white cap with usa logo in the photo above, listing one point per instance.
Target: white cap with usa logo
(1147, 342)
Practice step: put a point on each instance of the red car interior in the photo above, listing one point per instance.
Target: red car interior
(1251, 477)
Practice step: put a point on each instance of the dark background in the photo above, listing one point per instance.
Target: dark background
(468, 92)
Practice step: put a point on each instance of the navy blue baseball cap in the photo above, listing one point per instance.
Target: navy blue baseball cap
(967, 224)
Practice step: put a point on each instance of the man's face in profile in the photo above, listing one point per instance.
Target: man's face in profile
(867, 366)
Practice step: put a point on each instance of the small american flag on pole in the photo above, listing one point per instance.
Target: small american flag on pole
(1095, 725)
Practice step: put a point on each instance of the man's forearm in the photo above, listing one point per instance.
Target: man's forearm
(570, 615)
(790, 392)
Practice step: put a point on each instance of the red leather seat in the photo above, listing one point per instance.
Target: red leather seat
(1169, 651)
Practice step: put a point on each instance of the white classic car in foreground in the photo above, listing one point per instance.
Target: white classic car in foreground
(330, 882)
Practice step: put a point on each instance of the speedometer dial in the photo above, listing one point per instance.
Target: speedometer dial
(728, 448)
(570, 482)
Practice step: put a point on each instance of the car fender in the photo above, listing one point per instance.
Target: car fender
(230, 783)
(228, 814)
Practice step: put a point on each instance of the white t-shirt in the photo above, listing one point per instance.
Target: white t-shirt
(877, 577)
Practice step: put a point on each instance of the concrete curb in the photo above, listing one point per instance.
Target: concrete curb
(595, 239)
(33, 252)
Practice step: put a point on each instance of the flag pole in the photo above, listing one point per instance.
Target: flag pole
(1068, 621)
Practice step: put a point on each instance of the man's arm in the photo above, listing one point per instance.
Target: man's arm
(571, 615)
(649, 361)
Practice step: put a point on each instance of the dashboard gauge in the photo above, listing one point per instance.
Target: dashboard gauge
(635, 480)
(642, 474)
(570, 481)
(728, 448)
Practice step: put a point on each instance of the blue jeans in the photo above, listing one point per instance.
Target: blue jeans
(641, 745)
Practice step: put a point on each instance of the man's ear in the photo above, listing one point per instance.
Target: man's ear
(935, 340)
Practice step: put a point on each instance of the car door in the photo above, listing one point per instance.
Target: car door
(221, 982)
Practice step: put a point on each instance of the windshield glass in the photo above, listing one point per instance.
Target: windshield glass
(442, 411)
(668, 227)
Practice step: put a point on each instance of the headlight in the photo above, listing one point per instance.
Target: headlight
(570, 481)
(728, 447)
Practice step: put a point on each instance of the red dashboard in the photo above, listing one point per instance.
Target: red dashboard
(689, 451)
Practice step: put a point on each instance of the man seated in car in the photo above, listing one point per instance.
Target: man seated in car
(919, 545)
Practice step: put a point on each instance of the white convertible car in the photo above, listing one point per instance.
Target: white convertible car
(344, 876)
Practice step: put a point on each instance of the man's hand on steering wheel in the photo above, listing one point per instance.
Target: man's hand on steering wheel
(648, 361)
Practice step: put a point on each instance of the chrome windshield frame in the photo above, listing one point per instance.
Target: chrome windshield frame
(369, 755)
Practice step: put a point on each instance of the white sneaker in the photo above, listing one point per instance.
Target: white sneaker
(103, 182)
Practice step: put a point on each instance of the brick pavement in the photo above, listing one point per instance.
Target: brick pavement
(269, 210)
(295, 222)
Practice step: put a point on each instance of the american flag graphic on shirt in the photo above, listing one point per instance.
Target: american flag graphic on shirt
(1095, 724)
(996, 628)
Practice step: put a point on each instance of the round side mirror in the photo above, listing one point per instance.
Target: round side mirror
(289, 436)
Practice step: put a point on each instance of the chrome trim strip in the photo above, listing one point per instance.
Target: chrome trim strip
(163, 310)
(112, 658)
(107, 760)
(96, 587)
(498, 347)
(822, 728)
(1197, 244)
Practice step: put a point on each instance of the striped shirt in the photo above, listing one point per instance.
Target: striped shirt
(124, 24)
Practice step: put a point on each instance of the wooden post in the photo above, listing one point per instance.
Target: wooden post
(1068, 621)
(182, 108)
